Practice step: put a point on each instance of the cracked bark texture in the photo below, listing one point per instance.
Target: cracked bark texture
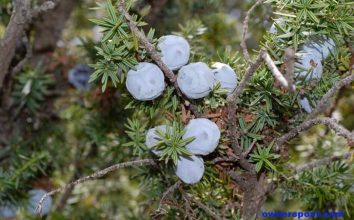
(14, 31)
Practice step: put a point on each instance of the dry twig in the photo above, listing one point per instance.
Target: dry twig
(322, 162)
(168, 193)
(95, 175)
(329, 122)
(245, 31)
(276, 73)
(205, 208)
(322, 104)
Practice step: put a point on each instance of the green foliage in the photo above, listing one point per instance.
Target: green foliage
(136, 133)
(306, 18)
(30, 89)
(20, 170)
(216, 98)
(167, 104)
(323, 187)
(171, 143)
(119, 47)
(264, 157)
(247, 136)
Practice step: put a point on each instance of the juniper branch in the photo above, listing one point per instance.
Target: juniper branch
(329, 122)
(233, 99)
(205, 208)
(321, 105)
(245, 30)
(276, 73)
(322, 162)
(168, 192)
(95, 175)
(150, 48)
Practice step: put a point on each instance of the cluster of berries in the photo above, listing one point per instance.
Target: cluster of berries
(206, 138)
(195, 80)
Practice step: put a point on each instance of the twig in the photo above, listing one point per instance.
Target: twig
(276, 73)
(150, 48)
(247, 77)
(205, 208)
(242, 183)
(23, 62)
(233, 99)
(288, 65)
(245, 30)
(322, 162)
(20, 18)
(321, 105)
(249, 150)
(188, 208)
(329, 122)
(225, 159)
(168, 192)
(93, 176)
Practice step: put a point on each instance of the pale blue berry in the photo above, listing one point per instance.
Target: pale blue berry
(8, 211)
(175, 51)
(190, 169)
(305, 105)
(152, 138)
(225, 75)
(206, 134)
(308, 66)
(79, 76)
(147, 82)
(195, 80)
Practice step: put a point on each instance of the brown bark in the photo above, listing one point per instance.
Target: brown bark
(13, 32)
(254, 196)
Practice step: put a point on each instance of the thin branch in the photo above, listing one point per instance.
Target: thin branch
(21, 17)
(247, 77)
(225, 159)
(24, 61)
(288, 65)
(250, 148)
(276, 73)
(168, 192)
(150, 48)
(329, 122)
(205, 208)
(95, 175)
(322, 162)
(245, 31)
(233, 99)
(242, 183)
(323, 103)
